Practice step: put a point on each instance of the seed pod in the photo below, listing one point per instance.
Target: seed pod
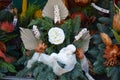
(116, 22)
(106, 39)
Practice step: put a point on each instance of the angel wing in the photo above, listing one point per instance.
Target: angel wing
(49, 9)
(28, 38)
(83, 38)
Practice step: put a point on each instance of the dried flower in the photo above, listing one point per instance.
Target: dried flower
(40, 47)
(56, 36)
(7, 27)
(80, 53)
(112, 55)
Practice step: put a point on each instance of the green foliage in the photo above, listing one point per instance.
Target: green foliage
(76, 25)
(77, 73)
(5, 37)
(117, 36)
(24, 21)
(70, 27)
(116, 72)
(1, 75)
(6, 16)
(43, 23)
(23, 72)
(22, 60)
(105, 20)
(94, 52)
(18, 3)
(6, 67)
(97, 51)
(44, 72)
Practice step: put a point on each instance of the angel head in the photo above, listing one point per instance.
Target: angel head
(70, 49)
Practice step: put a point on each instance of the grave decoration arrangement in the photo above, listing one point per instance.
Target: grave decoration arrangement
(60, 39)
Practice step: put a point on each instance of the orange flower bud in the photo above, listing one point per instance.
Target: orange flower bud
(106, 39)
(116, 22)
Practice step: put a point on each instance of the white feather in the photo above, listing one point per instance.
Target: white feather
(49, 9)
(28, 38)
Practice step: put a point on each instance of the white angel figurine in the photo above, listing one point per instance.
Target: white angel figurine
(65, 56)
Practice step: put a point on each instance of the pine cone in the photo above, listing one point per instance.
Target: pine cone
(116, 22)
